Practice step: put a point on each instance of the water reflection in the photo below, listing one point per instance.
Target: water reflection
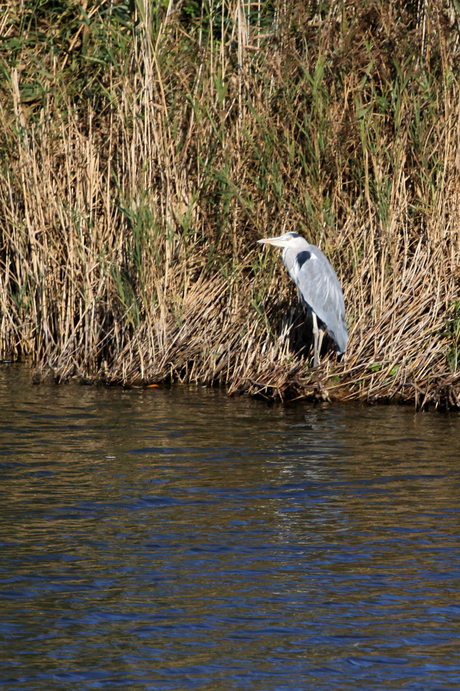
(173, 539)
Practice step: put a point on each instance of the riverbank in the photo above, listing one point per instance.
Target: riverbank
(144, 153)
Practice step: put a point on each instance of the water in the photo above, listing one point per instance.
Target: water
(178, 539)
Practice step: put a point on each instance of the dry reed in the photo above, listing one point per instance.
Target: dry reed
(145, 152)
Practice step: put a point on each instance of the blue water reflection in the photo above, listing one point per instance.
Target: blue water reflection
(178, 539)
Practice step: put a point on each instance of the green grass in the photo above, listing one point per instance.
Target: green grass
(145, 148)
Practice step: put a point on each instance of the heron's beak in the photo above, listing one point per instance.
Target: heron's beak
(277, 242)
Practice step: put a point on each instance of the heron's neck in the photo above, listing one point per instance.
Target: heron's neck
(289, 256)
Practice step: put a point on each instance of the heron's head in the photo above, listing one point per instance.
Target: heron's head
(290, 239)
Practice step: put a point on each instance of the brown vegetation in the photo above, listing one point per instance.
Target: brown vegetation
(144, 154)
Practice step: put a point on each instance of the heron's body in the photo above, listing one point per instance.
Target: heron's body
(319, 288)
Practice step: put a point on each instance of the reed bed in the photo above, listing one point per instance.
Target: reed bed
(146, 147)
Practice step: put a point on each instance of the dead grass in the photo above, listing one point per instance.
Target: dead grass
(143, 155)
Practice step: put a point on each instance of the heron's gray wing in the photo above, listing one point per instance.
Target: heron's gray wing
(320, 289)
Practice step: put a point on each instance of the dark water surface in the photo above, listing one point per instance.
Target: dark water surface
(178, 539)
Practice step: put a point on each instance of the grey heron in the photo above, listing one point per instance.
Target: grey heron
(319, 289)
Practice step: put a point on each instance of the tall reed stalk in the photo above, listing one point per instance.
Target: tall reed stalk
(145, 148)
